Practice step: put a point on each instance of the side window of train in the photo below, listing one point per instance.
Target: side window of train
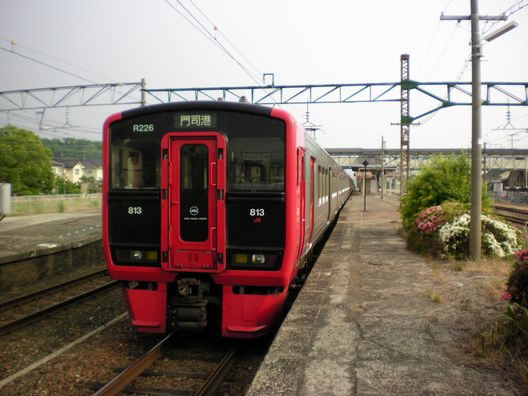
(319, 181)
(135, 163)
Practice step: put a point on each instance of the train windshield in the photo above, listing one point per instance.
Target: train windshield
(135, 164)
(256, 164)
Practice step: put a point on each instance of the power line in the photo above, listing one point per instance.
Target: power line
(45, 64)
(217, 29)
(15, 43)
(430, 46)
(52, 66)
(205, 32)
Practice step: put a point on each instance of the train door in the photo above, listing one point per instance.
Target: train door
(329, 192)
(312, 200)
(301, 182)
(193, 213)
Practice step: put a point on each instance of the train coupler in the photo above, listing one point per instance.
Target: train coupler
(189, 317)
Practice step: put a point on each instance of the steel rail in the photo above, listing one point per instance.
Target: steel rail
(15, 324)
(119, 382)
(512, 214)
(215, 379)
(31, 296)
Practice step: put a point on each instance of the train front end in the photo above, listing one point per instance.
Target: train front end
(200, 214)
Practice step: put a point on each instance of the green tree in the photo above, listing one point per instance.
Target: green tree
(74, 149)
(25, 162)
(64, 186)
(446, 178)
(92, 185)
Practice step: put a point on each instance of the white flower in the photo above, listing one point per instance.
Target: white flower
(498, 238)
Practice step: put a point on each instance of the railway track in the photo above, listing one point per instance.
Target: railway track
(516, 215)
(40, 293)
(211, 382)
(26, 318)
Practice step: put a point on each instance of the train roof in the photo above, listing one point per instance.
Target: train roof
(211, 105)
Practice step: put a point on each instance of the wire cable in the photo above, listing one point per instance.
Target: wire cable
(55, 67)
(44, 64)
(15, 43)
(430, 46)
(204, 31)
(217, 29)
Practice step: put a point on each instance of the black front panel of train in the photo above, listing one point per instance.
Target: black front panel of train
(134, 228)
(256, 226)
(255, 183)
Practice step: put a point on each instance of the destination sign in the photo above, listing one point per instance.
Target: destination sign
(195, 120)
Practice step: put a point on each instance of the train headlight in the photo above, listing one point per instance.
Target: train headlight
(136, 255)
(250, 260)
(258, 259)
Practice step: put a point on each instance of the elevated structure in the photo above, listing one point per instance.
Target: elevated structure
(73, 96)
(495, 158)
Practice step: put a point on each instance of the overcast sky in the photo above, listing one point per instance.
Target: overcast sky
(301, 42)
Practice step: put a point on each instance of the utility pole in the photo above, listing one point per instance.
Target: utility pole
(485, 164)
(475, 229)
(143, 100)
(365, 164)
(405, 129)
(382, 166)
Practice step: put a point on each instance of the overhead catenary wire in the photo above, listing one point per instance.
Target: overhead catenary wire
(54, 58)
(45, 64)
(49, 65)
(30, 121)
(515, 7)
(200, 27)
(432, 41)
(217, 29)
(209, 36)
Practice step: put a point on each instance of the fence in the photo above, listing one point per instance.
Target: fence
(520, 197)
(35, 204)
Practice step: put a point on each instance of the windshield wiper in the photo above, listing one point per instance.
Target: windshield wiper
(248, 177)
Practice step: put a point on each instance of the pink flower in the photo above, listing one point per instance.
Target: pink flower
(506, 296)
(522, 255)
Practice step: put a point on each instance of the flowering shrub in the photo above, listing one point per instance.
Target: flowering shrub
(517, 286)
(521, 257)
(517, 311)
(498, 238)
(454, 238)
(429, 220)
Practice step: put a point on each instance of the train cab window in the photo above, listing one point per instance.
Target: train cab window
(256, 164)
(135, 164)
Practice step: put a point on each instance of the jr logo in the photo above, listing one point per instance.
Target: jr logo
(193, 211)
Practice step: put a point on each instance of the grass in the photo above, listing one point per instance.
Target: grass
(435, 296)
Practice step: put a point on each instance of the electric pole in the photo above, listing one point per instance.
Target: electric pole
(475, 229)
(382, 166)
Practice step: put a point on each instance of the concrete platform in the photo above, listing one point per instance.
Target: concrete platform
(31, 236)
(363, 324)
(40, 249)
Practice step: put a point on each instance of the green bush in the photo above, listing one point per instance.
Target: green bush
(445, 179)
(516, 326)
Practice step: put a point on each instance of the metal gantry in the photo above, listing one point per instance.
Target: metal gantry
(442, 94)
(73, 96)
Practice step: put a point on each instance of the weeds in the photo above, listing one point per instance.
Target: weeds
(436, 297)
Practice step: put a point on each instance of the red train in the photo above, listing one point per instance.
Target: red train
(210, 210)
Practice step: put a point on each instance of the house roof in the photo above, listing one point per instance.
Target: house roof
(90, 163)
